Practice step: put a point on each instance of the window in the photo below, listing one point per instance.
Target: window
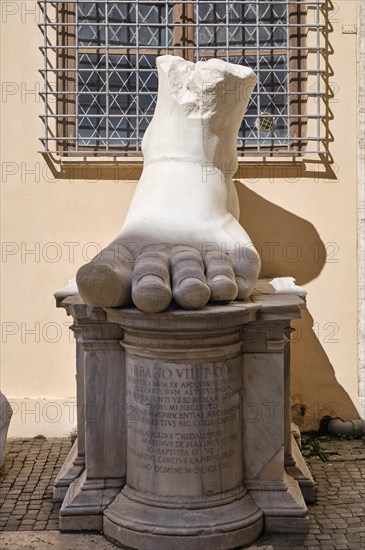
(101, 80)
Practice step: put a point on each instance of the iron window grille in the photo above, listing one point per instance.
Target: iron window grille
(101, 80)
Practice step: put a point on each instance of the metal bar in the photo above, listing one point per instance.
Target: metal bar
(318, 76)
(258, 75)
(197, 38)
(223, 25)
(227, 30)
(134, 139)
(46, 101)
(268, 94)
(209, 48)
(167, 25)
(148, 2)
(137, 76)
(141, 70)
(287, 81)
(77, 75)
(107, 93)
(253, 117)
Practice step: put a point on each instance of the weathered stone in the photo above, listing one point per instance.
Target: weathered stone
(6, 413)
(184, 461)
(75, 463)
(103, 423)
(190, 378)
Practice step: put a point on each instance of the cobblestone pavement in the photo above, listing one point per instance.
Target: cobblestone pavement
(335, 522)
(27, 477)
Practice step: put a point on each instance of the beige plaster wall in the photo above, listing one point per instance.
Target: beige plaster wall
(59, 220)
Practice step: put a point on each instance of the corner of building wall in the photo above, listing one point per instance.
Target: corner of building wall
(361, 201)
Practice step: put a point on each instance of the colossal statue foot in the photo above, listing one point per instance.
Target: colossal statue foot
(181, 239)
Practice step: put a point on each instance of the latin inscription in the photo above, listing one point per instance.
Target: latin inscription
(183, 420)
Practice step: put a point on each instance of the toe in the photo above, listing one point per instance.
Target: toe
(244, 288)
(246, 267)
(220, 277)
(103, 285)
(189, 286)
(151, 291)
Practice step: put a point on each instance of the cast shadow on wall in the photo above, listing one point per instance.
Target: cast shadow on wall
(290, 246)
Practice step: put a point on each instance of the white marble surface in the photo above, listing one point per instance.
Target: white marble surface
(263, 394)
(185, 198)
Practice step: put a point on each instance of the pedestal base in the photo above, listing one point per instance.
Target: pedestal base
(85, 501)
(71, 469)
(145, 527)
(282, 503)
(191, 409)
(300, 472)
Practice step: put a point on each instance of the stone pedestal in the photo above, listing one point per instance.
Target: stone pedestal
(75, 462)
(266, 422)
(294, 462)
(185, 477)
(102, 419)
(200, 455)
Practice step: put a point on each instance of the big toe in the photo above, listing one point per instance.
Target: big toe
(103, 285)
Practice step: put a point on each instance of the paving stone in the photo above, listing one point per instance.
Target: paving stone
(31, 514)
(31, 466)
(28, 522)
(9, 528)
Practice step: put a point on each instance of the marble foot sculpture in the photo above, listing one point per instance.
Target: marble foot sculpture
(181, 239)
